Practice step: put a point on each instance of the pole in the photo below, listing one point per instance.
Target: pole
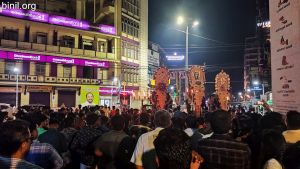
(17, 90)
(263, 87)
(186, 58)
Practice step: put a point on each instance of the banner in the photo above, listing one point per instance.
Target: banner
(222, 87)
(285, 50)
(89, 95)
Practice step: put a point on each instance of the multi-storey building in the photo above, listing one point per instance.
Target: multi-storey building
(153, 59)
(257, 57)
(64, 45)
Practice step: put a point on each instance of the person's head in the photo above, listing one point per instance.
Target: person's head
(162, 119)
(274, 121)
(113, 107)
(117, 122)
(41, 120)
(93, 119)
(220, 122)
(173, 148)
(293, 120)
(89, 97)
(118, 111)
(69, 121)
(15, 139)
(272, 146)
(191, 122)
(32, 125)
(178, 123)
(291, 157)
(144, 119)
(53, 123)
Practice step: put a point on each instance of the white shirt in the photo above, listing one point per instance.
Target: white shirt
(144, 144)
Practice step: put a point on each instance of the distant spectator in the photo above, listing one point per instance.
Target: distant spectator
(54, 137)
(82, 143)
(144, 153)
(69, 128)
(272, 149)
(137, 130)
(41, 154)
(221, 151)
(174, 150)
(42, 121)
(104, 124)
(14, 145)
(292, 135)
(108, 144)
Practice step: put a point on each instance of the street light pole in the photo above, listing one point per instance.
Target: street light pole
(16, 70)
(186, 57)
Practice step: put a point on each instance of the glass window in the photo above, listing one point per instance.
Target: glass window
(67, 71)
(11, 34)
(40, 69)
(41, 38)
(67, 41)
(9, 67)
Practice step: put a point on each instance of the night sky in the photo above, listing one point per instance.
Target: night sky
(226, 22)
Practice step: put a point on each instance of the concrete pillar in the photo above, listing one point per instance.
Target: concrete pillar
(24, 97)
(2, 66)
(74, 71)
(54, 99)
(47, 69)
(32, 69)
(60, 70)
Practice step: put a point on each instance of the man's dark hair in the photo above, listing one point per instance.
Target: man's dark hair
(117, 122)
(144, 119)
(273, 146)
(39, 118)
(31, 123)
(191, 122)
(162, 119)
(91, 119)
(104, 120)
(293, 120)
(291, 156)
(273, 121)
(220, 122)
(70, 120)
(173, 148)
(12, 134)
(178, 123)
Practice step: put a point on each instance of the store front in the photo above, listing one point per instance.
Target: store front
(68, 98)
(8, 95)
(39, 95)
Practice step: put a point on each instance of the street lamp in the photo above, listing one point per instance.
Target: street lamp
(180, 21)
(240, 93)
(16, 70)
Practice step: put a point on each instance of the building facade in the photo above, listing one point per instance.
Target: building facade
(257, 55)
(65, 45)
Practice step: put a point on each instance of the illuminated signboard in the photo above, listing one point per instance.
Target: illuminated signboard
(56, 20)
(52, 59)
(266, 24)
(175, 57)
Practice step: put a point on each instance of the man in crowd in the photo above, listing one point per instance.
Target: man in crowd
(42, 121)
(14, 144)
(54, 137)
(82, 143)
(109, 143)
(221, 150)
(41, 154)
(144, 153)
(292, 135)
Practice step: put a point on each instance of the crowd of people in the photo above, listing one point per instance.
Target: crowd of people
(104, 138)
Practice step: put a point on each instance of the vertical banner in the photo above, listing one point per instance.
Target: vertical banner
(285, 50)
(89, 95)
(222, 87)
(197, 79)
(160, 97)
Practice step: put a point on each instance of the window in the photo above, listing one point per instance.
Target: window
(40, 69)
(10, 34)
(67, 71)
(9, 67)
(88, 72)
(67, 41)
(101, 45)
(41, 38)
(88, 44)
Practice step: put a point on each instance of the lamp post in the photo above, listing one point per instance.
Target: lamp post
(180, 21)
(16, 70)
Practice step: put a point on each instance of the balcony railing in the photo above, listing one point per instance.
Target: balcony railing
(56, 49)
(47, 79)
